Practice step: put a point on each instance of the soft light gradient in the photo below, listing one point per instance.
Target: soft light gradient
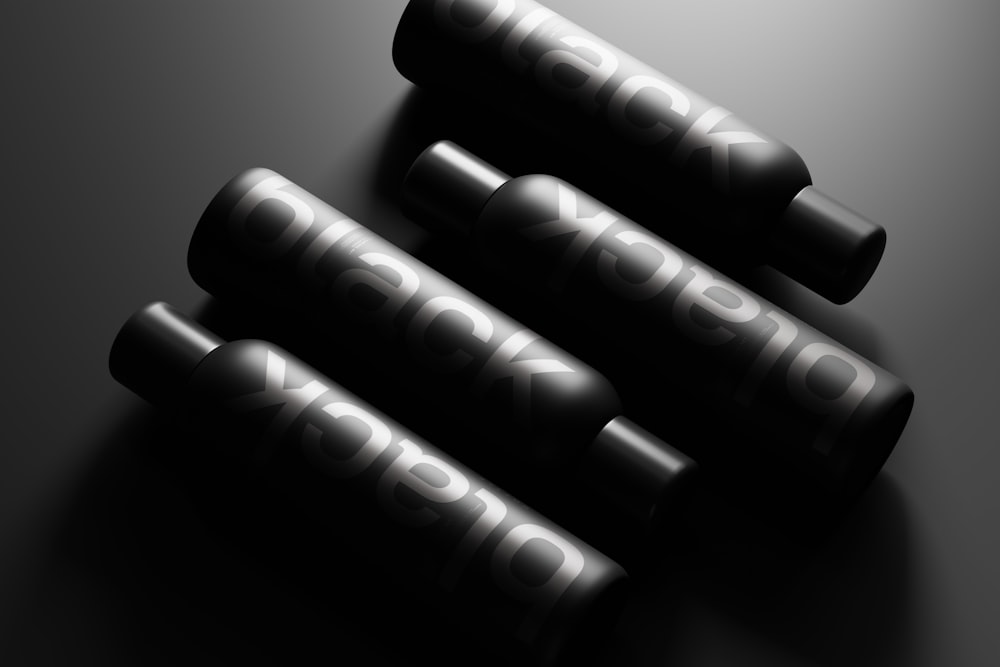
(121, 120)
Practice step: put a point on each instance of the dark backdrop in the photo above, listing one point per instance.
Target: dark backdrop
(120, 120)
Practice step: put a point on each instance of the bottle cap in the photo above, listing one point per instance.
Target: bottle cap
(449, 185)
(635, 469)
(156, 351)
(826, 246)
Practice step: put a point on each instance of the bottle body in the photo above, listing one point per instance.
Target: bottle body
(810, 401)
(443, 531)
(265, 238)
(735, 194)
(532, 406)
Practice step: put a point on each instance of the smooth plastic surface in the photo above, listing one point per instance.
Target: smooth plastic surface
(448, 186)
(788, 397)
(157, 350)
(687, 167)
(628, 463)
(124, 117)
(427, 522)
(826, 245)
(533, 405)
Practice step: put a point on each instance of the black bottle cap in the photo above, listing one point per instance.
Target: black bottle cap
(156, 351)
(826, 246)
(637, 470)
(447, 184)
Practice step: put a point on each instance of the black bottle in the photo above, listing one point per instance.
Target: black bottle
(529, 588)
(536, 411)
(819, 409)
(746, 199)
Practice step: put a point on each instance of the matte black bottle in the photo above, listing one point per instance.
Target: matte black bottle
(534, 408)
(527, 586)
(813, 404)
(747, 199)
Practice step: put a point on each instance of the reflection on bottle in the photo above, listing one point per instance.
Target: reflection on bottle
(521, 582)
(745, 197)
(827, 410)
(534, 407)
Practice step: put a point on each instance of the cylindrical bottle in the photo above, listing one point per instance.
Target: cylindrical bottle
(814, 403)
(746, 198)
(533, 406)
(533, 589)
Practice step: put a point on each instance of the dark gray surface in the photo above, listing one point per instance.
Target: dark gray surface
(121, 120)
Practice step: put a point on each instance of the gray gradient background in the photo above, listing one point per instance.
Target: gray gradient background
(121, 119)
